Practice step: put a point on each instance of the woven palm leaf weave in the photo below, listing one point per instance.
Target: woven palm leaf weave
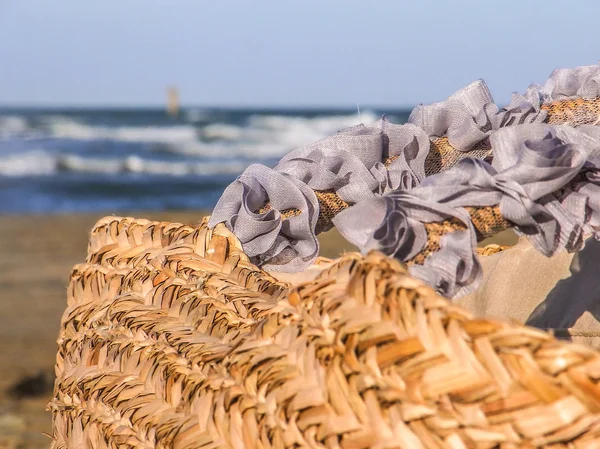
(173, 339)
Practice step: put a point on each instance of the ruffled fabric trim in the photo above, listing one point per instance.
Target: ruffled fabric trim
(348, 163)
(531, 163)
(470, 115)
(526, 166)
(268, 240)
(581, 82)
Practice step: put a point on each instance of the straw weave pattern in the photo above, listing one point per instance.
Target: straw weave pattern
(172, 338)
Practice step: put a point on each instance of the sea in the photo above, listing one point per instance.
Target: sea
(111, 160)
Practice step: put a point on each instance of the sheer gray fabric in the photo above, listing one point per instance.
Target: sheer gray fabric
(470, 115)
(394, 225)
(390, 204)
(349, 163)
(581, 81)
(531, 162)
(265, 237)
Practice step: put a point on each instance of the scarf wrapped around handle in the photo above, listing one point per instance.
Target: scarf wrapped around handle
(425, 192)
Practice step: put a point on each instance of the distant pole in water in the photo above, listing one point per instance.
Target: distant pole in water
(173, 101)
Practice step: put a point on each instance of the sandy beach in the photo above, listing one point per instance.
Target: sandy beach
(36, 257)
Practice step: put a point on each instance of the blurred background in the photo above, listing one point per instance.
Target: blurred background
(151, 108)
(84, 86)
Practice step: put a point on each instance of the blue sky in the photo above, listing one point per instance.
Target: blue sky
(284, 53)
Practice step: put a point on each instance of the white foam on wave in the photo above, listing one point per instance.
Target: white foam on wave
(67, 128)
(261, 136)
(16, 126)
(40, 162)
(287, 130)
(321, 124)
(136, 164)
(32, 163)
(225, 150)
(272, 135)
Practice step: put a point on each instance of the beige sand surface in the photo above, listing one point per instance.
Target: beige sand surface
(36, 256)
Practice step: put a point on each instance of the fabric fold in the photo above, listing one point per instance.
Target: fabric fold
(532, 163)
(544, 178)
(581, 81)
(408, 145)
(469, 116)
(394, 225)
(348, 163)
(267, 240)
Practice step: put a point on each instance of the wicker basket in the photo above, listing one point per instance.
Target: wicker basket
(172, 338)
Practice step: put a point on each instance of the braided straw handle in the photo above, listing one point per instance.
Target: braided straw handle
(487, 220)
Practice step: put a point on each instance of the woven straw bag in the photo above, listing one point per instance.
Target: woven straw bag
(173, 338)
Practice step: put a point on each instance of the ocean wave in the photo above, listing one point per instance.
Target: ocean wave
(75, 160)
(40, 162)
(270, 135)
(288, 131)
(260, 136)
(16, 126)
(196, 115)
(62, 127)
(32, 163)
(68, 128)
(321, 124)
(228, 150)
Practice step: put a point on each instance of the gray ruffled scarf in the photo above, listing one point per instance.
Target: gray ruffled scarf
(390, 203)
